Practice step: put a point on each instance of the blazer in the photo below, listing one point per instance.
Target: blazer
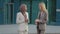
(21, 22)
(43, 19)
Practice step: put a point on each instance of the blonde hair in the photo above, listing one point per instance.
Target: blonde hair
(43, 5)
(23, 5)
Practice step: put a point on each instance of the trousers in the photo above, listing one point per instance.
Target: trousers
(22, 32)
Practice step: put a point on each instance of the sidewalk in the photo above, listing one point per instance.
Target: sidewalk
(12, 29)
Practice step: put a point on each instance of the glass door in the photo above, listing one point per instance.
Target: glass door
(9, 13)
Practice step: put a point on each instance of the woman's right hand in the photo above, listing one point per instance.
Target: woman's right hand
(37, 21)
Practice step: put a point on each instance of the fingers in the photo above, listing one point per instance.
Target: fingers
(37, 21)
(26, 20)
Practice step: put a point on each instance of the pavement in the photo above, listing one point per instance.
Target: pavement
(12, 29)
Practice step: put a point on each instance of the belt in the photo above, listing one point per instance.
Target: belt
(41, 23)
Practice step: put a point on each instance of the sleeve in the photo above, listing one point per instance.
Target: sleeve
(28, 17)
(38, 15)
(46, 17)
(18, 19)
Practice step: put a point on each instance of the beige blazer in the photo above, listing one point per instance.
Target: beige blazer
(45, 19)
(21, 22)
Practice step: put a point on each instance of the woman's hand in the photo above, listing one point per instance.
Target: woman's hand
(26, 20)
(37, 21)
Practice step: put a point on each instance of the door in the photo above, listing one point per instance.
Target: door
(9, 13)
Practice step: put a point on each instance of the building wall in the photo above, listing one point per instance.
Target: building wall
(58, 12)
(10, 9)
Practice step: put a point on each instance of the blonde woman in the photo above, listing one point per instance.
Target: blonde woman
(42, 18)
(22, 19)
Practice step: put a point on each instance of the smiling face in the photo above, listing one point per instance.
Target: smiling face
(42, 6)
(23, 8)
